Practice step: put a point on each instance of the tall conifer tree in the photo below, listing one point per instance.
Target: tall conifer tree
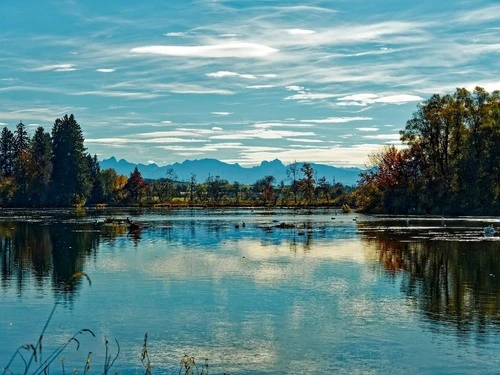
(41, 167)
(70, 176)
(6, 152)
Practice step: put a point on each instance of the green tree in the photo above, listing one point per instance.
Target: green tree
(451, 165)
(97, 191)
(307, 183)
(192, 188)
(71, 183)
(6, 152)
(41, 166)
(21, 164)
(323, 189)
(264, 188)
(216, 188)
(108, 177)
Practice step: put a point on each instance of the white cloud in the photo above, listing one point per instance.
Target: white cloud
(359, 97)
(309, 96)
(294, 88)
(225, 73)
(55, 68)
(236, 50)
(351, 104)
(259, 87)
(337, 120)
(190, 88)
(395, 137)
(262, 134)
(481, 15)
(368, 129)
(365, 99)
(305, 140)
(221, 113)
(175, 34)
(334, 155)
(118, 94)
(105, 70)
(300, 32)
(180, 132)
(3, 124)
(128, 140)
(166, 122)
(266, 125)
(399, 99)
(221, 74)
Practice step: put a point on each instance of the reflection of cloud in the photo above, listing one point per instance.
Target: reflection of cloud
(228, 356)
(250, 259)
(112, 265)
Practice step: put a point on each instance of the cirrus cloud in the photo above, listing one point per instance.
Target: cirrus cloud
(223, 50)
(337, 120)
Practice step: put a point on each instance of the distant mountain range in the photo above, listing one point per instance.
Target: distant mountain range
(232, 172)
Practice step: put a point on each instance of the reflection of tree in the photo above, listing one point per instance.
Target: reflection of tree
(39, 252)
(71, 245)
(451, 281)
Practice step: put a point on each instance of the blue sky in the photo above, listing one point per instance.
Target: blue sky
(241, 81)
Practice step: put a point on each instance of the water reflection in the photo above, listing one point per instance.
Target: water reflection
(39, 253)
(453, 282)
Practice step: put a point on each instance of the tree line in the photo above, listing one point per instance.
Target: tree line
(54, 170)
(47, 169)
(451, 164)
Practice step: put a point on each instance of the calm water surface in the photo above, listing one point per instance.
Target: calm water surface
(343, 294)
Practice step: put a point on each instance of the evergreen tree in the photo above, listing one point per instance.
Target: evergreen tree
(70, 176)
(41, 166)
(6, 152)
(21, 164)
(97, 192)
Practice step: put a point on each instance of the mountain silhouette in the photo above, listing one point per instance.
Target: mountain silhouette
(203, 168)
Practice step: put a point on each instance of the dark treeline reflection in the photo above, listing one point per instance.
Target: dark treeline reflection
(451, 282)
(39, 253)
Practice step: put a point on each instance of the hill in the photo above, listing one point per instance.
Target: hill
(232, 172)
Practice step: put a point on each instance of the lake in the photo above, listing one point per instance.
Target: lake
(329, 293)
